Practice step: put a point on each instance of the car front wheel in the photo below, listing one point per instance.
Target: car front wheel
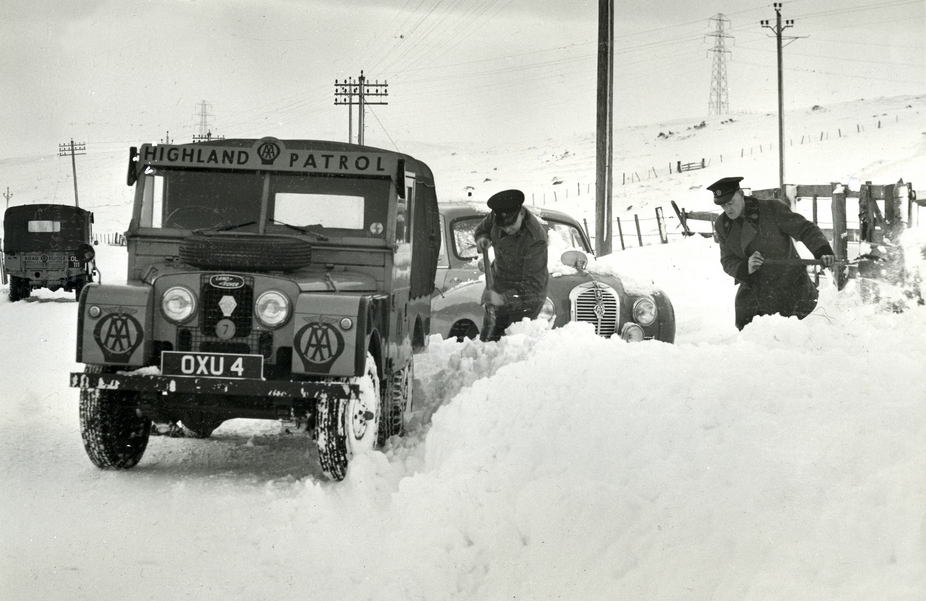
(348, 427)
(115, 436)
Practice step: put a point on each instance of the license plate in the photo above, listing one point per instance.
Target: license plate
(212, 365)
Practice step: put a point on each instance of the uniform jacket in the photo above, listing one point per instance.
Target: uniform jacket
(770, 227)
(520, 267)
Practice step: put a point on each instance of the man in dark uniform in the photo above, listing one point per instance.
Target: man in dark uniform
(519, 271)
(752, 231)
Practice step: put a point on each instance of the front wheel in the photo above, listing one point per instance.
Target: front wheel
(348, 427)
(396, 401)
(115, 436)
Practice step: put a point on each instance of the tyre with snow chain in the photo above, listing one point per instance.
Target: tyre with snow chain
(114, 435)
(396, 401)
(349, 427)
(19, 289)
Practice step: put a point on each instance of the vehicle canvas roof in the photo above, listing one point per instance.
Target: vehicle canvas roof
(17, 238)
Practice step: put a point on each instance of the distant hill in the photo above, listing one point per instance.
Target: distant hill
(881, 140)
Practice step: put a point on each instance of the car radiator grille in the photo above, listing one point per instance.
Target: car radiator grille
(599, 306)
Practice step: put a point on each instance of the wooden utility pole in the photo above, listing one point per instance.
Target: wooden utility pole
(72, 149)
(604, 128)
(344, 93)
(777, 29)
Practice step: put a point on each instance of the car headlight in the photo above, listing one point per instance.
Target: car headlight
(548, 310)
(178, 304)
(631, 332)
(644, 311)
(272, 308)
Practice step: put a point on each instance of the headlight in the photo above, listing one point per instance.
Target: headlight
(548, 310)
(272, 308)
(178, 304)
(644, 311)
(631, 332)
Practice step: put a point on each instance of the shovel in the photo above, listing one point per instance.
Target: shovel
(839, 267)
(488, 322)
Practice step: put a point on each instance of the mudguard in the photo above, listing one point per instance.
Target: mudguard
(113, 324)
(329, 334)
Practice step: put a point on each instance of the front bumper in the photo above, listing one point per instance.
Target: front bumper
(271, 389)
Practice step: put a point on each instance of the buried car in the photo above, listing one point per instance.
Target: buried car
(579, 289)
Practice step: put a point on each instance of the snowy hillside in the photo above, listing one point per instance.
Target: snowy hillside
(859, 138)
(782, 462)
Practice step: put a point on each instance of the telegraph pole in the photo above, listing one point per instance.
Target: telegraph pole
(72, 149)
(344, 93)
(7, 196)
(777, 29)
(604, 143)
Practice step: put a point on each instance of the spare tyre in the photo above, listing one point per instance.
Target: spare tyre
(246, 253)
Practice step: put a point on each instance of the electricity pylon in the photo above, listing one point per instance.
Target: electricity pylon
(204, 133)
(719, 103)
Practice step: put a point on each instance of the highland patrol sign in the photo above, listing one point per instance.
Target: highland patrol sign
(268, 154)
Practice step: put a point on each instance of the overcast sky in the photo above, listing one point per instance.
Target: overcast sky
(471, 73)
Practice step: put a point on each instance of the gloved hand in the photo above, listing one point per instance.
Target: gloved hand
(491, 297)
(828, 260)
(482, 243)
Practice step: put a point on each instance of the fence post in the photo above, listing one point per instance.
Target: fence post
(840, 236)
(620, 232)
(662, 226)
(636, 219)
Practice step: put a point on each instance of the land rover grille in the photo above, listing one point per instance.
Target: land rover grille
(235, 304)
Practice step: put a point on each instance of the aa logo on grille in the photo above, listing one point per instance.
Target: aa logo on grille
(319, 344)
(118, 334)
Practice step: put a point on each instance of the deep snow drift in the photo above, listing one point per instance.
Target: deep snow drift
(782, 462)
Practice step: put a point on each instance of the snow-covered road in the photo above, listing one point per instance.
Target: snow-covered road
(785, 461)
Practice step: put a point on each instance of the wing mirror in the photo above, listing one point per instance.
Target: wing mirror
(576, 259)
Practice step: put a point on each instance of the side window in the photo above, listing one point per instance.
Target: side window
(404, 212)
(152, 208)
(442, 258)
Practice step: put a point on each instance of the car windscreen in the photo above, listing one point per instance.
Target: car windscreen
(232, 200)
(561, 237)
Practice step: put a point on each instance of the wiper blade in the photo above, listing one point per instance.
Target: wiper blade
(301, 230)
(223, 228)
